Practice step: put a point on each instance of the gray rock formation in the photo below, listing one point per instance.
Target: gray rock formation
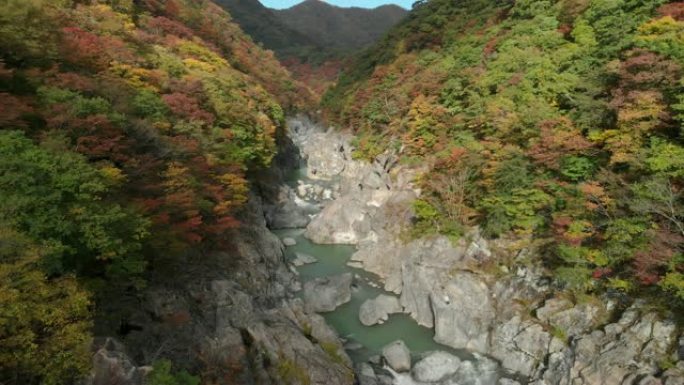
(288, 241)
(508, 312)
(286, 212)
(378, 309)
(234, 309)
(302, 259)
(326, 294)
(112, 366)
(435, 367)
(397, 356)
(463, 313)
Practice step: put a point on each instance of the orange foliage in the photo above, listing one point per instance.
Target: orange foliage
(557, 138)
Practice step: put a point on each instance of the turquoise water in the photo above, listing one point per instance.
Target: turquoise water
(332, 259)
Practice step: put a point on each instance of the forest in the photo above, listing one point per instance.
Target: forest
(557, 124)
(129, 131)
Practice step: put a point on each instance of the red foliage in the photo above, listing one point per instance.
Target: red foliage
(675, 10)
(83, 48)
(565, 29)
(602, 272)
(560, 227)
(86, 49)
(74, 82)
(165, 26)
(558, 138)
(12, 109)
(649, 264)
(318, 78)
(187, 107)
(172, 9)
(490, 47)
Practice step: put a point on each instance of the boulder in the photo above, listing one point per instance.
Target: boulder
(507, 381)
(288, 241)
(463, 313)
(571, 319)
(373, 311)
(397, 356)
(480, 371)
(435, 367)
(520, 345)
(326, 294)
(366, 374)
(302, 259)
(285, 213)
(343, 221)
(111, 366)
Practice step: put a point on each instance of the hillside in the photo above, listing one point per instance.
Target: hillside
(127, 133)
(554, 124)
(265, 27)
(340, 29)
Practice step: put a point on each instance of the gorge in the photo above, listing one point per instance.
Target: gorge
(487, 193)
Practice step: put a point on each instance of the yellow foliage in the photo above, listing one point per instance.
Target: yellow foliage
(195, 64)
(136, 77)
(113, 174)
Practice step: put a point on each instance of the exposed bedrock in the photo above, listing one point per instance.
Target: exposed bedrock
(479, 294)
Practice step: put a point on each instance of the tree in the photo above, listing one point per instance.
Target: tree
(44, 323)
(59, 200)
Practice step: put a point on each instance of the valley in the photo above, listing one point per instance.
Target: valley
(465, 193)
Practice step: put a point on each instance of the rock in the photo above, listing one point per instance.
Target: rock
(435, 367)
(507, 381)
(365, 369)
(326, 294)
(353, 345)
(674, 376)
(385, 380)
(287, 241)
(366, 374)
(111, 366)
(571, 319)
(481, 371)
(303, 259)
(520, 345)
(463, 313)
(378, 309)
(285, 213)
(343, 221)
(397, 356)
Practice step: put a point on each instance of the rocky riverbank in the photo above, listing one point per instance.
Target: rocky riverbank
(477, 294)
(230, 315)
(236, 312)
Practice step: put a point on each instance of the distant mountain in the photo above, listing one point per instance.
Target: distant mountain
(343, 29)
(265, 27)
(312, 30)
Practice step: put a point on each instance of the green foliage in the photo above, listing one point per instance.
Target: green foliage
(139, 122)
(674, 282)
(27, 30)
(148, 104)
(518, 210)
(57, 199)
(162, 374)
(576, 110)
(577, 168)
(79, 105)
(44, 322)
(665, 158)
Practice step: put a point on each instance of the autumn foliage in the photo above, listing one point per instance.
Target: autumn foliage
(552, 123)
(127, 130)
